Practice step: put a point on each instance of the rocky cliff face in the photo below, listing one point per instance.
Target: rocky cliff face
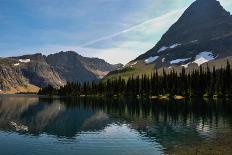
(31, 72)
(10, 75)
(203, 33)
(38, 71)
(69, 67)
(73, 67)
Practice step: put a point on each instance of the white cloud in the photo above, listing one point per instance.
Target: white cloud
(112, 55)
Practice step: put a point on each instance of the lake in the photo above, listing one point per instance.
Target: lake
(99, 126)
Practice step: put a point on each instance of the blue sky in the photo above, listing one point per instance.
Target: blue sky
(115, 30)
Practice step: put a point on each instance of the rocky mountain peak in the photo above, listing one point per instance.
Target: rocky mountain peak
(202, 36)
(204, 26)
(203, 19)
(203, 11)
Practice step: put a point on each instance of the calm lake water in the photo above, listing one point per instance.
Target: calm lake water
(31, 125)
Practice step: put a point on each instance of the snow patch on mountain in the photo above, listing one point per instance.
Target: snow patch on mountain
(194, 41)
(186, 65)
(131, 64)
(134, 63)
(17, 64)
(24, 60)
(203, 57)
(168, 47)
(162, 49)
(174, 45)
(151, 59)
(179, 60)
(163, 60)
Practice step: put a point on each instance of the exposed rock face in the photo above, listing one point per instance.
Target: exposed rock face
(97, 66)
(10, 76)
(73, 67)
(204, 27)
(69, 67)
(38, 72)
(29, 72)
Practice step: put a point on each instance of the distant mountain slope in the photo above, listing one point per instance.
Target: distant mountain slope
(31, 72)
(73, 67)
(99, 67)
(69, 67)
(204, 27)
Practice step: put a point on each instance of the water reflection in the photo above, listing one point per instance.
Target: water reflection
(133, 125)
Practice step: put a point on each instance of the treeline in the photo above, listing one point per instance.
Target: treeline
(201, 82)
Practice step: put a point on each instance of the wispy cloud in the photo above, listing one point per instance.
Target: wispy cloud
(156, 23)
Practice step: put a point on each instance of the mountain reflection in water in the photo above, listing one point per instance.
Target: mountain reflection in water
(124, 125)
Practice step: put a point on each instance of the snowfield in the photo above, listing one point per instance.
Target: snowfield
(179, 60)
(203, 57)
(151, 59)
(24, 60)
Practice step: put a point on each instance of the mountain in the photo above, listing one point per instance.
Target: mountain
(38, 71)
(11, 78)
(99, 67)
(202, 34)
(27, 73)
(31, 72)
(73, 67)
(69, 67)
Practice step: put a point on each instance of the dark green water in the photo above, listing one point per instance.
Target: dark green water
(31, 125)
